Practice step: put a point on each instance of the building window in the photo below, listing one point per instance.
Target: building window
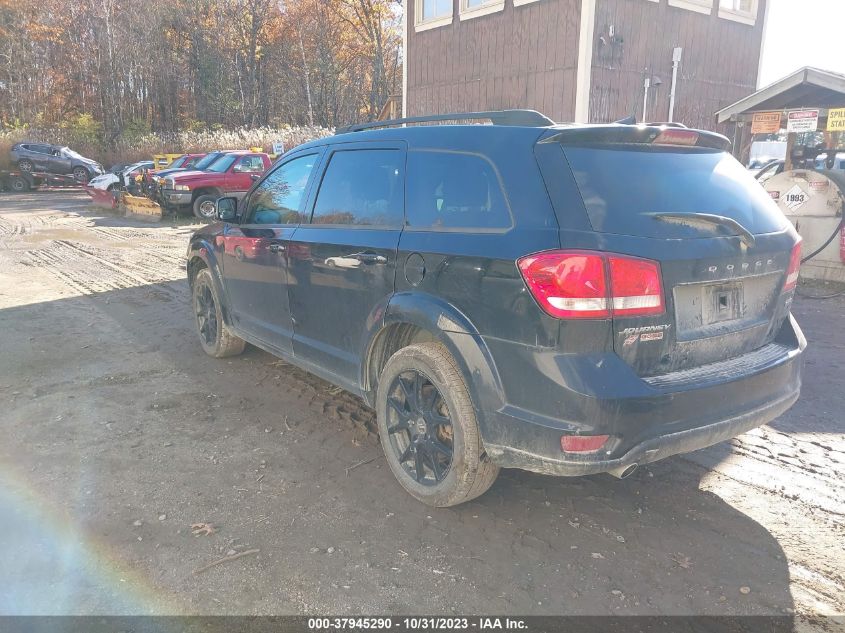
(744, 11)
(432, 13)
(700, 6)
(474, 8)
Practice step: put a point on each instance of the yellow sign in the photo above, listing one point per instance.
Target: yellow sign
(836, 120)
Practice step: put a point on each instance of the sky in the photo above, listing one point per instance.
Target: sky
(802, 33)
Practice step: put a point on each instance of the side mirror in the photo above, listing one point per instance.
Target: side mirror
(227, 209)
(254, 177)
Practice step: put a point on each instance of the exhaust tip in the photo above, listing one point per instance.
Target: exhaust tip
(624, 471)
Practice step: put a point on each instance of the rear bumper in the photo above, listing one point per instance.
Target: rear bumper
(648, 451)
(647, 421)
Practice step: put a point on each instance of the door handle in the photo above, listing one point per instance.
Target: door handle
(276, 248)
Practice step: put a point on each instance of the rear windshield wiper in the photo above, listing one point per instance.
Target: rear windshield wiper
(709, 219)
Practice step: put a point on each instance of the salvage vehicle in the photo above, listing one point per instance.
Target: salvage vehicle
(232, 173)
(109, 181)
(565, 299)
(182, 163)
(53, 159)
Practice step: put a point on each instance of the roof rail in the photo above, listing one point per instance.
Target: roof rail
(518, 118)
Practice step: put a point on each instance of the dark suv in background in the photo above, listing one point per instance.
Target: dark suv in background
(566, 299)
(54, 159)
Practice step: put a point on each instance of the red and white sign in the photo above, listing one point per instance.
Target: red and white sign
(802, 121)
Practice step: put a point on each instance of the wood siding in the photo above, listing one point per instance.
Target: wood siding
(520, 57)
(719, 66)
(527, 57)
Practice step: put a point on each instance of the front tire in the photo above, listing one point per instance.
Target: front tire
(80, 174)
(428, 428)
(205, 207)
(215, 336)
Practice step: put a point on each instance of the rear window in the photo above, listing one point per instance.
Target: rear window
(622, 186)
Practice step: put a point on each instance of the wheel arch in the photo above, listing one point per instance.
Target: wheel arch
(418, 317)
(206, 191)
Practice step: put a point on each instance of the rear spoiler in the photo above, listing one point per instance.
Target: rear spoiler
(621, 134)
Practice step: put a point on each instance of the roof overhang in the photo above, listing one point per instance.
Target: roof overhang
(805, 88)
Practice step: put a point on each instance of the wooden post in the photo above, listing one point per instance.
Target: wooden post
(790, 143)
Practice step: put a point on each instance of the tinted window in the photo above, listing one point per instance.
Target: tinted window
(457, 191)
(223, 163)
(622, 187)
(361, 187)
(278, 199)
(207, 160)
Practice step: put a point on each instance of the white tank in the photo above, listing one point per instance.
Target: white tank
(813, 201)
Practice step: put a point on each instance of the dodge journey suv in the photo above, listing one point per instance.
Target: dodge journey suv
(566, 299)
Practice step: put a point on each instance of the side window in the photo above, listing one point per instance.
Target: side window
(278, 199)
(361, 188)
(250, 164)
(448, 190)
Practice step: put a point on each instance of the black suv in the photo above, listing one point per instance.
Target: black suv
(566, 299)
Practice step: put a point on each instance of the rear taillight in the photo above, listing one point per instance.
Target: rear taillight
(590, 285)
(568, 285)
(636, 286)
(792, 270)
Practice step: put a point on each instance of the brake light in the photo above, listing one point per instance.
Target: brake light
(674, 136)
(582, 443)
(793, 269)
(567, 284)
(590, 285)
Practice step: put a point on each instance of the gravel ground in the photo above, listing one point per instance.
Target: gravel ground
(119, 434)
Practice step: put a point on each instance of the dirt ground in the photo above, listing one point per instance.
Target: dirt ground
(118, 434)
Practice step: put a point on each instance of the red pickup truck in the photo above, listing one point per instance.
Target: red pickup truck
(229, 175)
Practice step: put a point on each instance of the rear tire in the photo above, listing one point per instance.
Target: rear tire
(417, 431)
(215, 336)
(205, 207)
(25, 165)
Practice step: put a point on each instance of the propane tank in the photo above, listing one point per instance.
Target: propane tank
(813, 201)
(842, 244)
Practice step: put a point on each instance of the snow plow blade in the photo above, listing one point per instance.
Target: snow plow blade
(101, 197)
(141, 208)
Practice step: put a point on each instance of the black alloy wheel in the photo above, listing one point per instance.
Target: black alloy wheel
(420, 428)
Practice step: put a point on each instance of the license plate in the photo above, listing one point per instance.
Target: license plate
(722, 302)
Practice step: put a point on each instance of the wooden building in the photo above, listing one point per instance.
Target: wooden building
(583, 60)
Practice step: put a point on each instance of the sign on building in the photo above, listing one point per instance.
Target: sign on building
(765, 123)
(836, 120)
(802, 121)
